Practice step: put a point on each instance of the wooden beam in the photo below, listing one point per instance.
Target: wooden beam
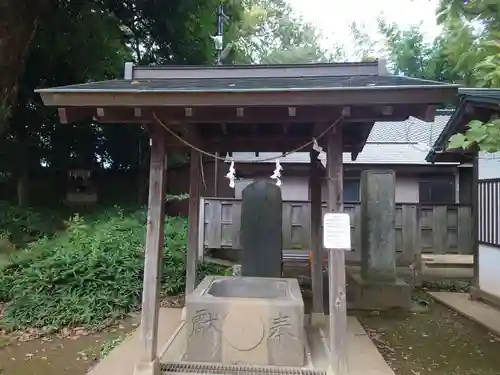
(351, 97)
(317, 315)
(69, 116)
(193, 220)
(63, 117)
(387, 110)
(256, 143)
(191, 134)
(428, 114)
(154, 250)
(336, 258)
(364, 133)
(254, 115)
(100, 112)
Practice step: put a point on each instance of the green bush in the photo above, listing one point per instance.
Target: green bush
(89, 275)
(25, 224)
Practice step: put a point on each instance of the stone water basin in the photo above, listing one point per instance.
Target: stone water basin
(246, 320)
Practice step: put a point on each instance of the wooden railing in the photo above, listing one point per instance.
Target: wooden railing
(419, 228)
(489, 212)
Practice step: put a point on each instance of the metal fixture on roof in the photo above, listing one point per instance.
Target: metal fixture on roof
(218, 39)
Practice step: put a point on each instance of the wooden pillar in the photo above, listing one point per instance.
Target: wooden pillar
(336, 258)
(193, 219)
(475, 221)
(317, 315)
(149, 362)
(216, 175)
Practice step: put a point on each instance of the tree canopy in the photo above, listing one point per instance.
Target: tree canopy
(60, 42)
(467, 51)
(269, 33)
(477, 35)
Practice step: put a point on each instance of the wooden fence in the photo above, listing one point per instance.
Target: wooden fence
(419, 228)
(489, 212)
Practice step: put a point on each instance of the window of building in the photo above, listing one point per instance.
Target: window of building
(351, 191)
(437, 189)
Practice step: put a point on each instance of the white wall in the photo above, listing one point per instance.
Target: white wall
(297, 188)
(489, 166)
(489, 269)
(407, 189)
(489, 256)
(292, 188)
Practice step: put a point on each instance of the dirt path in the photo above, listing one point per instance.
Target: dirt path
(438, 342)
(73, 355)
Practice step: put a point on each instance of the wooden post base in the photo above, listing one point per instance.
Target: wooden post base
(318, 319)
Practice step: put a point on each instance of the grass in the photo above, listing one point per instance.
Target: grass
(438, 342)
(108, 345)
(89, 275)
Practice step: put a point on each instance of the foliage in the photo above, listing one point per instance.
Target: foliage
(89, 40)
(270, 33)
(91, 274)
(176, 197)
(467, 52)
(24, 224)
(365, 48)
(484, 135)
(107, 346)
(480, 58)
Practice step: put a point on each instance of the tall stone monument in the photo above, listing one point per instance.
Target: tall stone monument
(261, 230)
(377, 286)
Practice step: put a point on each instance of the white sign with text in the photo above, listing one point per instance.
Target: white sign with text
(337, 231)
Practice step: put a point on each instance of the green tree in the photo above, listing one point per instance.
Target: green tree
(481, 61)
(365, 48)
(19, 21)
(269, 33)
(443, 59)
(77, 43)
(89, 40)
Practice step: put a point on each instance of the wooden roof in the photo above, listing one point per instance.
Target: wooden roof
(474, 104)
(282, 106)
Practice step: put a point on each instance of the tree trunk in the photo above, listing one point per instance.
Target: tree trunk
(19, 20)
(22, 188)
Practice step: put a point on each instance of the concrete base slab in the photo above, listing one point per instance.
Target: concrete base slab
(358, 342)
(123, 359)
(171, 343)
(477, 294)
(447, 260)
(317, 349)
(148, 368)
(369, 295)
(476, 311)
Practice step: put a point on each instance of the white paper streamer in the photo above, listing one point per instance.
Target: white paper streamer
(277, 173)
(231, 175)
(321, 154)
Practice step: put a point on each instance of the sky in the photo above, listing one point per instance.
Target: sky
(333, 17)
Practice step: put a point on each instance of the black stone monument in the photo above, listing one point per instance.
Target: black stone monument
(261, 230)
